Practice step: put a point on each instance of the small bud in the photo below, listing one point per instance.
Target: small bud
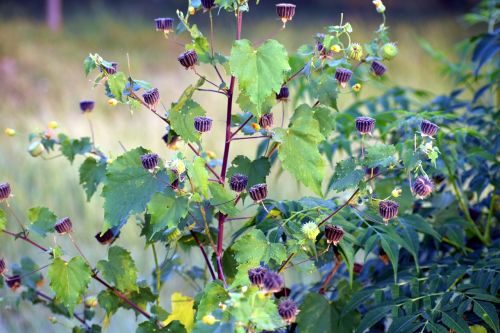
(151, 97)
(356, 87)
(191, 10)
(355, 51)
(358, 268)
(343, 75)
(188, 59)
(64, 226)
(283, 94)
(378, 68)
(334, 234)
(255, 126)
(208, 319)
(428, 129)
(422, 186)
(203, 124)
(222, 306)
(286, 12)
(112, 102)
(256, 276)
(258, 192)
(5, 191)
(336, 48)
(149, 161)
(13, 282)
(310, 230)
(10, 132)
(3, 266)
(379, 6)
(288, 310)
(211, 154)
(272, 282)
(207, 4)
(106, 238)
(396, 192)
(266, 121)
(238, 182)
(165, 24)
(91, 302)
(388, 209)
(53, 124)
(87, 106)
(365, 125)
(389, 51)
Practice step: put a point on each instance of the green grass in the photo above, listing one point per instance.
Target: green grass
(43, 80)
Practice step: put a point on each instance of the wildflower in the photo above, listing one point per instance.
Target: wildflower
(208, 319)
(356, 87)
(336, 48)
(112, 102)
(10, 132)
(310, 230)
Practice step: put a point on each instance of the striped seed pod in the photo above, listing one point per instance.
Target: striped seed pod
(365, 125)
(5, 191)
(238, 182)
(428, 129)
(422, 186)
(266, 121)
(388, 209)
(285, 11)
(334, 234)
(188, 59)
(151, 97)
(343, 76)
(87, 106)
(256, 276)
(258, 192)
(378, 68)
(64, 226)
(149, 161)
(203, 124)
(288, 310)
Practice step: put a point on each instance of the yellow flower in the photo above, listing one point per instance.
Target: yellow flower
(10, 132)
(256, 126)
(53, 124)
(335, 48)
(191, 10)
(396, 192)
(222, 306)
(208, 319)
(356, 51)
(112, 101)
(178, 166)
(211, 154)
(356, 87)
(91, 302)
(310, 230)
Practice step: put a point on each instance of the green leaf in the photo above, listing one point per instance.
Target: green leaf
(405, 324)
(222, 199)
(323, 89)
(372, 317)
(260, 71)
(357, 299)
(391, 248)
(199, 175)
(299, 152)
(111, 303)
(246, 105)
(379, 155)
(451, 320)
(42, 220)
(346, 176)
(69, 280)
(182, 310)
(348, 254)
(256, 170)
(88, 65)
(72, 147)
(488, 313)
(151, 327)
(92, 173)
(213, 294)
(202, 48)
(119, 269)
(117, 83)
(129, 187)
(167, 209)
(323, 115)
(3, 219)
(419, 223)
(252, 249)
(317, 315)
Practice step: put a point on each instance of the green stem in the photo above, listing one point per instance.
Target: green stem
(158, 274)
(489, 221)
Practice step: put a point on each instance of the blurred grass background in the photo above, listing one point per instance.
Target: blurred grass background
(42, 79)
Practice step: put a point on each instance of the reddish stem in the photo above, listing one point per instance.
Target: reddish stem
(50, 299)
(251, 137)
(330, 276)
(204, 253)
(241, 126)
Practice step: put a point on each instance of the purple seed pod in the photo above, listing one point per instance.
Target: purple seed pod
(285, 11)
(334, 234)
(165, 24)
(111, 70)
(4, 191)
(422, 186)
(283, 94)
(343, 75)
(365, 125)
(188, 59)
(378, 68)
(428, 129)
(149, 161)
(203, 124)
(288, 310)
(388, 209)
(272, 282)
(258, 192)
(358, 268)
(207, 4)
(256, 276)
(87, 106)
(105, 238)
(266, 121)
(3, 266)
(238, 182)
(372, 172)
(151, 97)
(64, 226)
(13, 282)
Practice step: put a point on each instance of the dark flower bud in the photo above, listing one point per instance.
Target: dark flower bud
(111, 70)
(207, 4)
(256, 276)
(3, 266)
(258, 192)
(288, 310)
(272, 282)
(203, 124)
(165, 24)
(372, 172)
(422, 186)
(106, 238)
(13, 282)
(438, 178)
(428, 129)
(334, 234)
(170, 139)
(365, 125)
(343, 75)
(151, 97)
(285, 11)
(149, 161)
(4, 191)
(238, 182)
(378, 68)
(188, 59)
(358, 268)
(388, 209)
(87, 106)
(283, 94)
(266, 121)
(64, 226)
